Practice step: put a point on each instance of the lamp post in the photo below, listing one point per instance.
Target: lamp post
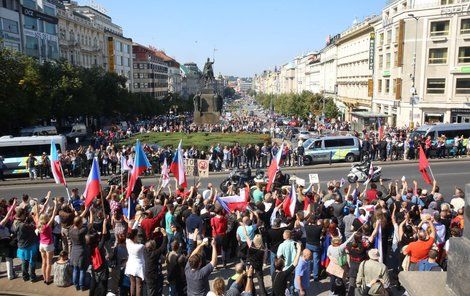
(413, 78)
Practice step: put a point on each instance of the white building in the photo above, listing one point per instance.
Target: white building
(354, 67)
(81, 40)
(328, 68)
(436, 88)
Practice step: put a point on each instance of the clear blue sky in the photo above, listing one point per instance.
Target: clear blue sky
(250, 35)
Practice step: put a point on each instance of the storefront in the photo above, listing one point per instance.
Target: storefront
(433, 117)
(461, 115)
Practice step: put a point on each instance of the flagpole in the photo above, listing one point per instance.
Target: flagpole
(432, 174)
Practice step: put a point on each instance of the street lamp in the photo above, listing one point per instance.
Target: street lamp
(413, 78)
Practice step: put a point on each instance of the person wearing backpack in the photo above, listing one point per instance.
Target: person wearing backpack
(372, 277)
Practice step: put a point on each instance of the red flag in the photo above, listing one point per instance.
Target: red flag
(290, 203)
(274, 167)
(423, 166)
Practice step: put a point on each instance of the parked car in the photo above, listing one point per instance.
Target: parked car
(78, 131)
(38, 131)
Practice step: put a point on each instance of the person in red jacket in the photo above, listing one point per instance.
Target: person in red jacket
(149, 223)
(219, 230)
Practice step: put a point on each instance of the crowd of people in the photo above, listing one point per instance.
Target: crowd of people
(168, 241)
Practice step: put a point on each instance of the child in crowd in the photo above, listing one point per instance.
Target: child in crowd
(62, 270)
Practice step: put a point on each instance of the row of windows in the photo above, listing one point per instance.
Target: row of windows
(438, 85)
(121, 47)
(439, 55)
(38, 25)
(9, 26)
(151, 66)
(149, 85)
(433, 86)
(442, 28)
(41, 48)
(150, 76)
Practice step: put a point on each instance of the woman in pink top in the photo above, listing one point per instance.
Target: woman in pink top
(46, 242)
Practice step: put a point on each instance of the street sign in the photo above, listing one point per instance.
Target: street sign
(203, 168)
(313, 178)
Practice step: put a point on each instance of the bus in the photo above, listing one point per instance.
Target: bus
(15, 150)
(450, 130)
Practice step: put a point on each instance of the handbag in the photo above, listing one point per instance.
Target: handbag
(363, 290)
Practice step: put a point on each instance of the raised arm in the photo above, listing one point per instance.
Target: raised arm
(51, 220)
(297, 254)
(5, 219)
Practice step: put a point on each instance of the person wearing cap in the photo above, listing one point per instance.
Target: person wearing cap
(373, 275)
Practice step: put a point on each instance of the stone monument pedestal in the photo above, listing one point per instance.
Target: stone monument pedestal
(209, 107)
(454, 282)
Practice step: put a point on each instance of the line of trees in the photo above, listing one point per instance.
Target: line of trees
(299, 105)
(32, 92)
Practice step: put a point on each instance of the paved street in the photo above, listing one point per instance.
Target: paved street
(448, 174)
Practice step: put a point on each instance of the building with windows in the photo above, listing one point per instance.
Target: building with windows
(354, 68)
(150, 72)
(174, 73)
(10, 33)
(423, 62)
(191, 79)
(244, 85)
(39, 23)
(117, 49)
(81, 40)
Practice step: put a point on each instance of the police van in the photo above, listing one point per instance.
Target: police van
(331, 148)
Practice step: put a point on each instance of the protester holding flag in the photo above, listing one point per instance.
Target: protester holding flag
(177, 167)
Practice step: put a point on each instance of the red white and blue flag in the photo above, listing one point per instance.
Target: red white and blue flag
(165, 174)
(56, 166)
(93, 186)
(177, 167)
(371, 173)
(274, 167)
(290, 203)
(141, 164)
(378, 242)
(236, 202)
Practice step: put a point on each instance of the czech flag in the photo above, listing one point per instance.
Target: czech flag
(235, 202)
(274, 167)
(325, 260)
(424, 165)
(56, 167)
(141, 164)
(378, 242)
(291, 201)
(93, 186)
(177, 167)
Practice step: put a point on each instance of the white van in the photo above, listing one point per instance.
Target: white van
(38, 131)
(78, 131)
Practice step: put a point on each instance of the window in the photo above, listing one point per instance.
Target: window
(339, 143)
(49, 10)
(136, 66)
(381, 61)
(387, 86)
(32, 46)
(389, 36)
(136, 85)
(10, 26)
(464, 54)
(462, 86)
(388, 57)
(379, 85)
(30, 23)
(465, 26)
(50, 28)
(447, 2)
(436, 85)
(437, 55)
(29, 3)
(440, 28)
(381, 39)
(395, 58)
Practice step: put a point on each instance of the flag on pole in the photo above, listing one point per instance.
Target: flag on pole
(93, 186)
(165, 174)
(291, 201)
(274, 167)
(177, 167)
(124, 165)
(371, 173)
(141, 164)
(235, 202)
(380, 128)
(56, 166)
(424, 166)
(378, 242)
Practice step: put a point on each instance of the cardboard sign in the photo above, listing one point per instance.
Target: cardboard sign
(313, 178)
(203, 168)
(190, 165)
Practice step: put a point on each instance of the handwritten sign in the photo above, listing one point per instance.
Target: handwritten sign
(313, 178)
